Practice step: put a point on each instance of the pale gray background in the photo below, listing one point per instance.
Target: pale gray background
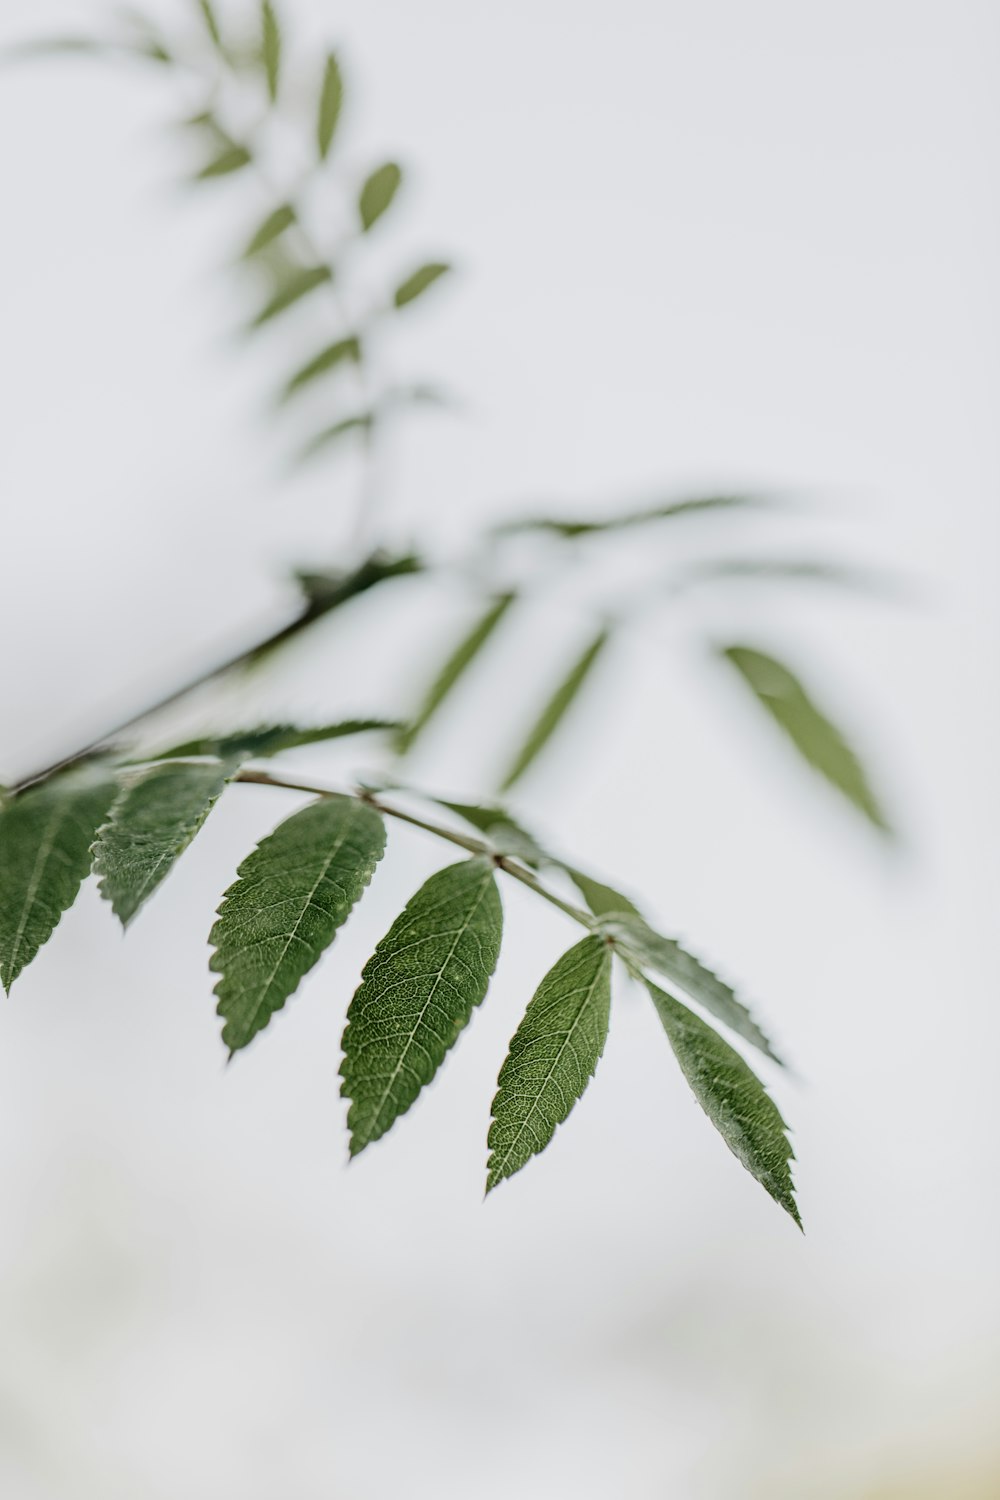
(700, 244)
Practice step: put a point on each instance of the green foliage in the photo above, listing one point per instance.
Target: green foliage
(552, 1057)
(211, 21)
(555, 711)
(414, 286)
(290, 896)
(454, 668)
(378, 192)
(270, 47)
(672, 510)
(342, 352)
(45, 839)
(270, 739)
(296, 286)
(362, 422)
(152, 821)
(232, 158)
(331, 100)
(271, 228)
(733, 1098)
(418, 992)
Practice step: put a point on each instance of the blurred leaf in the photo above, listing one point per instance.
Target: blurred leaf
(818, 741)
(552, 1057)
(45, 838)
(231, 158)
(501, 830)
(415, 285)
(271, 739)
(378, 192)
(344, 351)
(298, 285)
(697, 505)
(603, 900)
(648, 949)
(417, 993)
(360, 422)
(733, 1098)
(555, 711)
(326, 591)
(331, 100)
(290, 897)
(270, 47)
(211, 22)
(455, 666)
(273, 226)
(152, 821)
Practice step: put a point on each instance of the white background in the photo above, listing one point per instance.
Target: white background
(699, 245)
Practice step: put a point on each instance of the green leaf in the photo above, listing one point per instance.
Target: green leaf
(415, 285)
(274, 225)
(378, 192)
(552, 1057)
(331, 99)
(152, 822)
(360, 422)
(603, 900)
(733, 1098)
(503, 832)
(231, 158)
(298, 285)
(818, 741)
(270, 739)
(457, 663)
(635, 940)
(270, 47)
(696, 505)
(555, 711)
(290, 897)
(342, 352)
(45, 839)
(211, 22)
(417, 993)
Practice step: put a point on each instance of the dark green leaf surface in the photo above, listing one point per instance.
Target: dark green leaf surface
(45, 839)
(231, 158)
(270, 47)
(415, 285)
(292, 290)
(647, 949)
(458, 662)
(378, 193)
(152, 821)
(552, 1057)
(733, 1097)
(417, 993)
(331, 100)
(555, 711)
(344, 351)
(818, 741)
(270, 739)
(291, 895)
(272, 228)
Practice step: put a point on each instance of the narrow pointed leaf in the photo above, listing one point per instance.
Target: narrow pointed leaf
(270, 739)
(458, 662)
(231, 158)
(603, 900)
(555, 711)
(290, 897)
(552, 1057)
(504, 833)
(45, 839)
(417, 993)
(344, 351)
(571, 528)
(362, 422)
(648, 949)
(270, 47)
(818, 741)
(331, 100)
(292, 290)
(733, 1098)
(378, 192)
(211, 22)
(153, 820)
(272, 228)
(414, 286)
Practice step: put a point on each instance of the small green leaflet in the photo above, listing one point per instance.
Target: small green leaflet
(648, 949)
(297, 286)
(342, 352)
(290, 896)
(270, 47)
(417, 993)
(45, 839)
(555, 711)
(360, 422)
(603, 900)
(230, 159)
(378, 192)
(552, 1057)
(463, 656)
(270, 739)
(153, 819)
(696, 505)
(818, 741)
(331, 99)
(503, 832)
(733, 1097)
(211, 22)
(415, 285)
(273, 226)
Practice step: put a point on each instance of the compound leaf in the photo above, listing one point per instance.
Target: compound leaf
(417, 993)
(296, 286)
(378, 192)
(555, 711)
(290, 897)
(552, 1057)
(272, 228)
(818, 741)
(45, 839)
(342, 351)
(733, 1097)
(414, 286)
(455, 666)
(152, 821)
(331, 99)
